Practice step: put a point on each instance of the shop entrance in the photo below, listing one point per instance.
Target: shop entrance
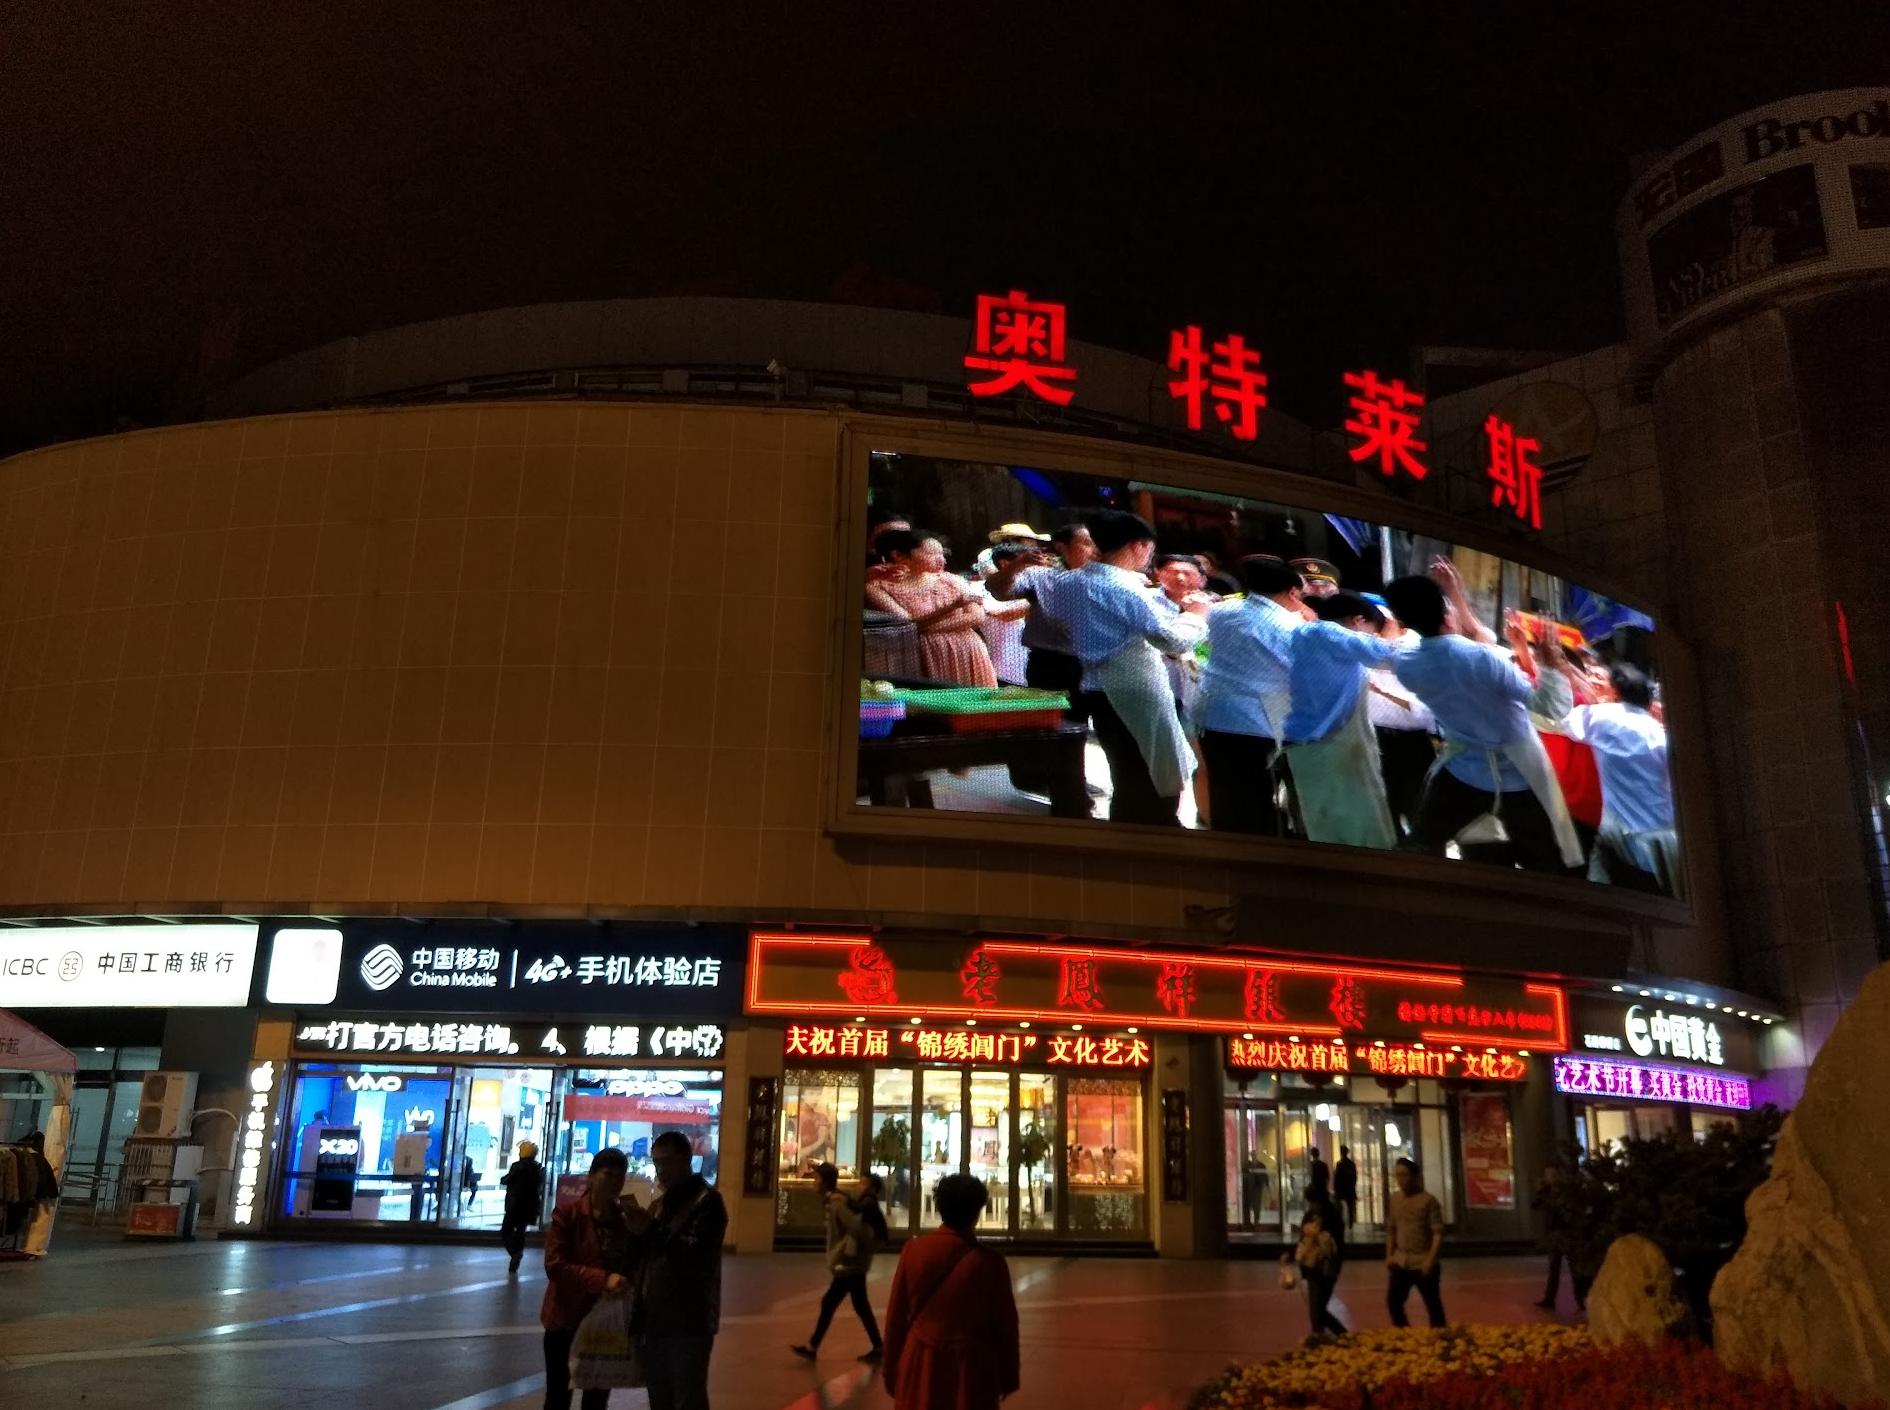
(494, 1109)
(1060, 1155)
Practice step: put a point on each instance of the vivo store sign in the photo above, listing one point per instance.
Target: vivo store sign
(127, 966)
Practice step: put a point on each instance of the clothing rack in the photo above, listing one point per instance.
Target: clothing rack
(21, 1174)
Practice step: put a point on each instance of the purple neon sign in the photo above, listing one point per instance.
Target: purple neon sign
(1584, 1077)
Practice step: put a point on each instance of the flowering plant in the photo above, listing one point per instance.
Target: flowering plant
(1534, 1366)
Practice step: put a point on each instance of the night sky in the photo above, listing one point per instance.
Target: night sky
(191, 191)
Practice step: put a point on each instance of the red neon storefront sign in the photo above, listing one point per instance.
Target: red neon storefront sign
(1294, 1054)
(837, 1042)
(1516, 478)
(807, 976)
(1226, 373)
(1020, 342)
(1384, 423)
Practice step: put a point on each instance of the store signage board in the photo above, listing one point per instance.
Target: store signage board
(819, 1042)
(1662, 1032)
(562, 1042)
(864, 977)
(1378, 1059)
(651, 971)
(337, 1160)
(1639, 1081)
(127, 966)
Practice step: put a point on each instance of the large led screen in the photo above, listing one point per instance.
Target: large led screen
(1055, 644)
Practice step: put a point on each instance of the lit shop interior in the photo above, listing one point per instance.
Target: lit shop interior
(1273, 1123)
(378, 1143)
(1061, 1153)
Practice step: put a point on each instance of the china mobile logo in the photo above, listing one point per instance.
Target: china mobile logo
(381, 967)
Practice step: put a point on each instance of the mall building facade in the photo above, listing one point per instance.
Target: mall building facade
(496, 679)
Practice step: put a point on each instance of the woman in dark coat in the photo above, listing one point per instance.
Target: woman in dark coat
(587, 1256)
(524, 1200)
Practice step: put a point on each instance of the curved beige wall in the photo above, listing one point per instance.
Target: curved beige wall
(521, 654)
(531, 657)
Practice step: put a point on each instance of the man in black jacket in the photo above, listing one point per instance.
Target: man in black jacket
(1345, 1185)
(679, 1257)
(524, 1200)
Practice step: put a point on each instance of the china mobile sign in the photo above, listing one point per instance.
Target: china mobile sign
(1020, 345)
(651, 971)
(866, 977)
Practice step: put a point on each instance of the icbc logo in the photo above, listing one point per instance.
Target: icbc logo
(71, 965)
(24, 966)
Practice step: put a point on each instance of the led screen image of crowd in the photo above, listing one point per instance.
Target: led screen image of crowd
(1053, 643)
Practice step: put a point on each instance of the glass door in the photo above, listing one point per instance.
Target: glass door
(1253, 1165)
(1036, 1154)
(498, 1108)
(890, 1148)
(989, 1156)
(941, 1134)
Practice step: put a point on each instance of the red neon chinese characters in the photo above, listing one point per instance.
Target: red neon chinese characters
(980, 977)
(1386, 422)
(1348, 1003)
(1079, 986)
(1177, 988)
(1517, 478)
(1233, 380)
(868, 977)
(1021, 342)
(1262, 997)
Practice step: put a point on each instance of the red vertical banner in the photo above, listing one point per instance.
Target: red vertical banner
(1489, 1162)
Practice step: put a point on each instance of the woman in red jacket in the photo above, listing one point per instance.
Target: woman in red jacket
(587, 1257)
(951, 1325)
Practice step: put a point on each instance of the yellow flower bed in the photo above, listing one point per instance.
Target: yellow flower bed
(1368, 1361)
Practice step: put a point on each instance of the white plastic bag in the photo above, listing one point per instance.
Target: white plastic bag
(604, 1353)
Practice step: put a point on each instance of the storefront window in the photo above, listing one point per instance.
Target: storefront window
(626, 1108)
(1103, 1141)
(889, 1153)
(1036, 1151)
(990, 1155)
(941, 1126)
(366, 1143)
(820, 1122)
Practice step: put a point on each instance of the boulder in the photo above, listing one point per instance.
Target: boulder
(1632, 1299)
(1808, 1291)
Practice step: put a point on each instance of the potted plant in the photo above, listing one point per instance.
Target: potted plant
(891, 1151)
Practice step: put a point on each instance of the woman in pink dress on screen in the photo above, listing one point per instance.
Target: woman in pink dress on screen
(938, 604)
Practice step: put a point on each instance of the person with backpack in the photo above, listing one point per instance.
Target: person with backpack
(855, 1230)
(951, 1323)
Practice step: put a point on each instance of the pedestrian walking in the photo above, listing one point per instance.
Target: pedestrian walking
(1345, 1185)
(587, 1257)
(524, 1201)
(1547, 1198)
(1414, 1238)
(855, 1230)
(1318, 1259)
(951, 1323)
(678, 1247)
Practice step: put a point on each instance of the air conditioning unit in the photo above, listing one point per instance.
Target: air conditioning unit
(166, 1105)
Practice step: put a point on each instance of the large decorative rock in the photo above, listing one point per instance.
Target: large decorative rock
(1632, 1299)
(1808, 1290)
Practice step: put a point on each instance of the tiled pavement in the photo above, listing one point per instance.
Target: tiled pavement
(282, 1326)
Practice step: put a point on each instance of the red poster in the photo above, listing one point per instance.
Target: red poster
(160, 1221)
(1489, 1169)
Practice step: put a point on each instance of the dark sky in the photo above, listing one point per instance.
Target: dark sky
(250, 179)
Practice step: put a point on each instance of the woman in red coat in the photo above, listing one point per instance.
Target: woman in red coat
(951, 1326)
(587, 1257)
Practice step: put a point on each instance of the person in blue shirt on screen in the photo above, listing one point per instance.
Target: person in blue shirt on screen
(1493, 763)
(1329, 735)
(1245, 695)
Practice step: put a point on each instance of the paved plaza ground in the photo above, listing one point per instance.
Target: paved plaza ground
(281, 1326)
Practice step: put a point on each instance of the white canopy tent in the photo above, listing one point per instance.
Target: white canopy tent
(36, 1076)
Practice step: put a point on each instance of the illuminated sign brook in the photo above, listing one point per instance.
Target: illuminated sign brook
(844, 1042)
(1644, 1082)
(1012, 981)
